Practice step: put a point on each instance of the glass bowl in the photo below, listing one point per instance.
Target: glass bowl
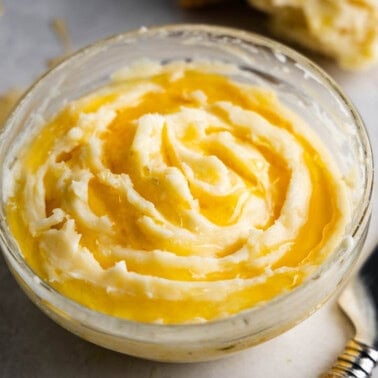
(300, 85)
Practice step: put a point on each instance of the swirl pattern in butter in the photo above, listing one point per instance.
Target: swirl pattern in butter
(174, 195)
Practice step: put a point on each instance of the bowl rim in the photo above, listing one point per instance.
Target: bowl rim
(15, 258)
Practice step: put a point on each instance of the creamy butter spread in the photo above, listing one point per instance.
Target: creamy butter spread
(176, 194)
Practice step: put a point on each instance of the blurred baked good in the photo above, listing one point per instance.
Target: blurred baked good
(346, 30)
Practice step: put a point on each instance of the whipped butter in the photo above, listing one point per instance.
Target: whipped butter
(176, 194)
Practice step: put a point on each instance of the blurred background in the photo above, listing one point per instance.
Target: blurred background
(35, 35)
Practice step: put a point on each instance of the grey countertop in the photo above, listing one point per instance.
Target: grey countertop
(31, 345)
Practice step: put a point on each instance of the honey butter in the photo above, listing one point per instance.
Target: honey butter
(175, 194)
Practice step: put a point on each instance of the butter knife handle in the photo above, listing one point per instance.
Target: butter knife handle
(358, 360)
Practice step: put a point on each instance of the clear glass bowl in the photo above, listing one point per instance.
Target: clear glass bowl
(300, 84)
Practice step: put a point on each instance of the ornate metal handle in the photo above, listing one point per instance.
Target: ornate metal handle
(358, 360)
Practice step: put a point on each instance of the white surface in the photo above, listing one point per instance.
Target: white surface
(33, 346)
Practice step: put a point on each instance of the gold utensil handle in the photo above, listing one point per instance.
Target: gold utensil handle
(358, 360)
